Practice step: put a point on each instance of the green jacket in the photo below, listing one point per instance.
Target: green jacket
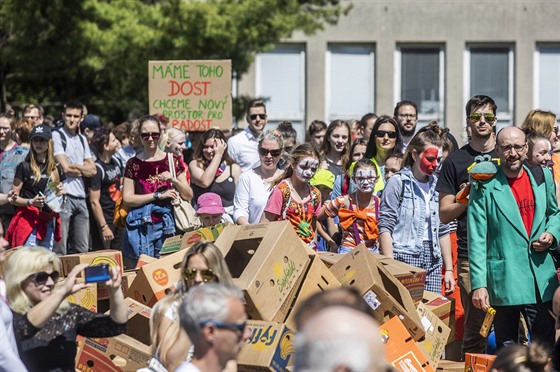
(500, 255)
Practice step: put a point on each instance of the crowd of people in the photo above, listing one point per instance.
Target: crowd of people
(381, 181)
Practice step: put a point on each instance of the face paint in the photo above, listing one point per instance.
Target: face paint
(430, 160)
(306, 168)
(365, 179)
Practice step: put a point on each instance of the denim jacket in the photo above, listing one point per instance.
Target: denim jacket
(405, 219)
(140, 230)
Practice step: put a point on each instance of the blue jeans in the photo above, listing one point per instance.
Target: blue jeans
(74, 225)
(47, 241)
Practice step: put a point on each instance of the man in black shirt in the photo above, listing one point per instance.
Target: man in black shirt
(481, 122)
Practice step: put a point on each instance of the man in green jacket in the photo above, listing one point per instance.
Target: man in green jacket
(514, 226)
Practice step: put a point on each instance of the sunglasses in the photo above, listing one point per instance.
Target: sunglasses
(487, 117)
(147, 135)
(42, 277)
(260, 116)
(389, 133)
(223, 325)
(207, 275)
(265, 152)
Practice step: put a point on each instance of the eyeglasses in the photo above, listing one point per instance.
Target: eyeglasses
(223, 325)
(489, 118)
(275, 153)
(207, 275)
(517, 148)
(42, 277)
(389, 133)
(147, 135)
(260, 116)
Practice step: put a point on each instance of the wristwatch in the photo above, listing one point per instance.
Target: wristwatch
(156, 195)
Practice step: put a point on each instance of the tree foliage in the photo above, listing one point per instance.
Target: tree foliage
(98, 50)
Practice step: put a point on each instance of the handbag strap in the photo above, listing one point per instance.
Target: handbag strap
(171, 165)
(354, 225)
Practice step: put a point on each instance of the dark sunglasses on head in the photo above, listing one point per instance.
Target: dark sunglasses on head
(265, 152)
(42, 277)
(389, 133)
(147, 135)
(207, 275)
(260, 116)
(488, 117)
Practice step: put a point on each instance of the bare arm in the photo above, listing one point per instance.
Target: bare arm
(205, 177)
(131, 198)
(386, 244)
(449, 278)
(242, 220)
(179, 349)
(119, 310)
(183, 186)
(449, 209)
(72, 170)
(88, 169)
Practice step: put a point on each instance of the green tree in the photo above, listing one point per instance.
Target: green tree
(98, 50)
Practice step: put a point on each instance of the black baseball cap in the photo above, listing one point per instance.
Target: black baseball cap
(42, 131)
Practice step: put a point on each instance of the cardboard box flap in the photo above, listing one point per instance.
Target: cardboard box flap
(270, 347)
(116, 354)
(383, 292)
(437, 334)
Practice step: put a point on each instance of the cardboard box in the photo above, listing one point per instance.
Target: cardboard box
(270, 347)
(478, 362)
(329, 258)
(401, 351)
(86, 298)
(103, 291)
(111, 257)
(116, 354)
(444, 308)
(154, 280)
(383, 292)
(318, 278)
(413, 278)
(176, 243)
(129, 276)
(266, 262)
(436, 337)
(7, 254)
(138, 320)
(450, 366)
(145, 259)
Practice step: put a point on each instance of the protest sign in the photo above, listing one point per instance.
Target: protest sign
(194, 95)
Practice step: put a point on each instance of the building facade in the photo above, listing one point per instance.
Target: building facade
(437, 53)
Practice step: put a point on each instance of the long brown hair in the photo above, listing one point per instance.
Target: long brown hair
(326, 147)
(209, 134)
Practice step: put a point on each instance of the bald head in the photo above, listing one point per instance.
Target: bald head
(511, 133)
(340, 339)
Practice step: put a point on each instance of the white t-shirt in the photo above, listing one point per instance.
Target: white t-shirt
(77, 151)
(425, 187)
(251, 195)
(187, 367)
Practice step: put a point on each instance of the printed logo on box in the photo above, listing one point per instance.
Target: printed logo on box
(408, 363)
(104, 260)
(262, 339)
(194, 238)
(160, 276)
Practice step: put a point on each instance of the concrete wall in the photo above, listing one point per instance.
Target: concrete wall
(451, 23)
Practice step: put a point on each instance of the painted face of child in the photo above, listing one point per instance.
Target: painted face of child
(305, 169)
(541, 153)
(430, 159)
(365, 179)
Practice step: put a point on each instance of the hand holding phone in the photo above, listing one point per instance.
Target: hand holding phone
(97, 273)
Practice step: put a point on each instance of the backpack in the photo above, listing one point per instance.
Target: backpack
(64, 139)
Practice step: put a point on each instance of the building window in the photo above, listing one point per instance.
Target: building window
(349, 81)
(280, 79)
(420, 78)
(547, 79)
(489, 71)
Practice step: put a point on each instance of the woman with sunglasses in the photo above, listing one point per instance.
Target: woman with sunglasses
(255, 185)
(212, 169)
(45, 324)
(410, 229)
(148, 189)
(385, 140)
(203, 263)
(35, 223)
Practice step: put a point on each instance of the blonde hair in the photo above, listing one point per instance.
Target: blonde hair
(21, 264)
(51, 170)
(539, 121)
(215, 261)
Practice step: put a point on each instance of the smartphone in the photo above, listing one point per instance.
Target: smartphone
(97, 273)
